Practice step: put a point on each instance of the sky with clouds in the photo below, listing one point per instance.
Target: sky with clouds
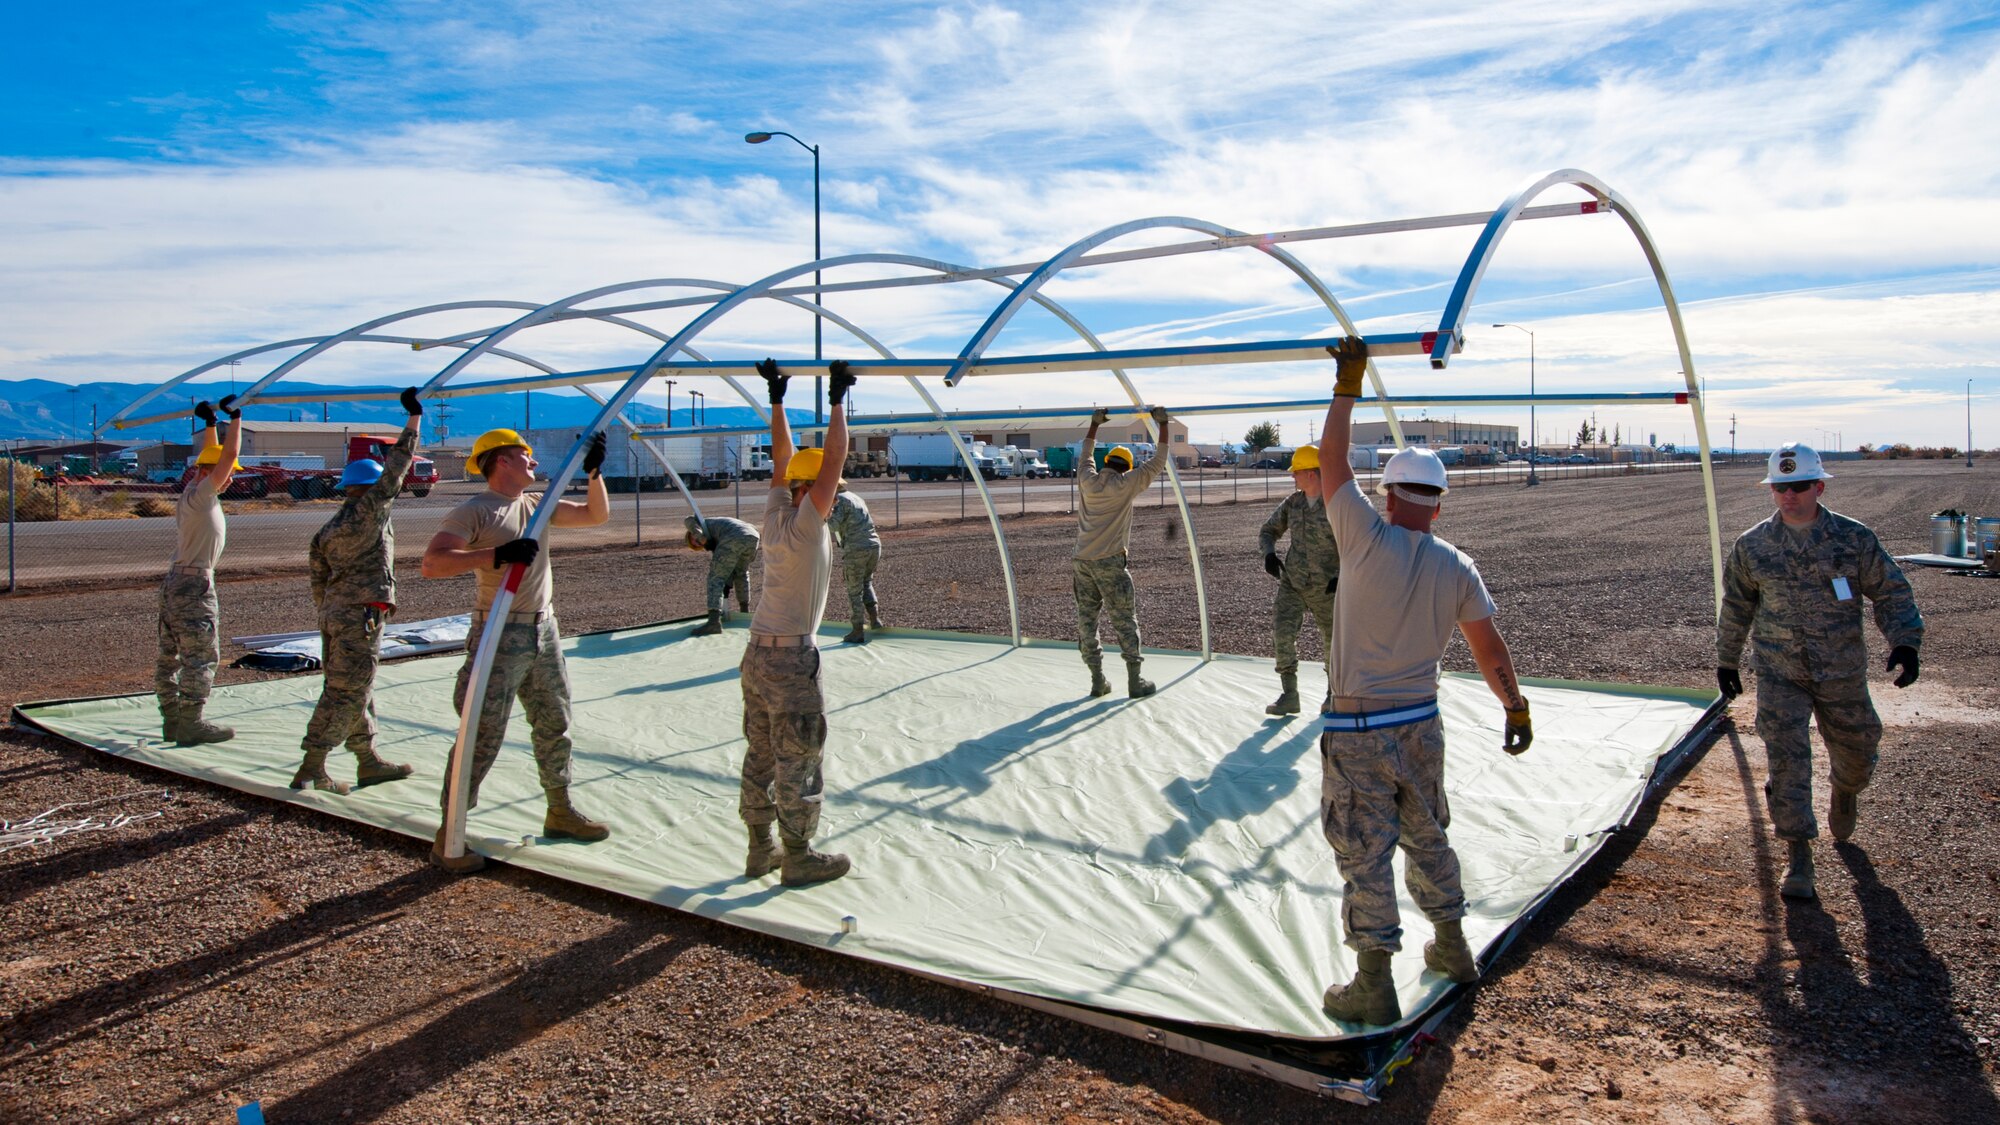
(179, 181)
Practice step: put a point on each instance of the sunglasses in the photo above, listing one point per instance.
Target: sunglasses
(1794, 486)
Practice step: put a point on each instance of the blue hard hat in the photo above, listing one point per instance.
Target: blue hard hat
(364, 471)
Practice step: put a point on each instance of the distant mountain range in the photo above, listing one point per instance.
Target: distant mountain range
(41, 410)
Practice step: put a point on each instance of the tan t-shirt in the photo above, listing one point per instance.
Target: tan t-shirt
(1401, 595)
(198, 521)
(798, 561)
(1104, 502)
(488, 520)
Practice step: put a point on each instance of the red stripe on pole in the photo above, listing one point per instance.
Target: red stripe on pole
(1681, 399)
(515, 572)
(1428, 342)
(1589, 207)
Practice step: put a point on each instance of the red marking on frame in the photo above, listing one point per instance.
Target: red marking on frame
(515, 572)
(1681, 399)
(1590, 208)
(1429, 342)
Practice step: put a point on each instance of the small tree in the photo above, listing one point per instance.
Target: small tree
(1260, 437)
(1584, 434)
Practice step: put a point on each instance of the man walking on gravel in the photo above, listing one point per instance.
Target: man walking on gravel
(1100, 576)
(784, 710)
(354, 590)
(1793, 587)
(1382, 750)
(190, 647)
(860, 553)
(1307, 575)
(732, 547)
(483, 537)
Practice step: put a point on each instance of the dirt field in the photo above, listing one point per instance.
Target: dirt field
(232, 950)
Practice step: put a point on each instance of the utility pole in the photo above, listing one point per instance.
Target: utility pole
(443, 415)
(527, 411)
(1732, 438)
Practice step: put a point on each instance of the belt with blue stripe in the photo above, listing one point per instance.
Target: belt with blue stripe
(1345, 721)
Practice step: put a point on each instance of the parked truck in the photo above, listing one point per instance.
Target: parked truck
(864, 463)
(924, 457)
(1062, 459)
(307, 478)
(1023, 462)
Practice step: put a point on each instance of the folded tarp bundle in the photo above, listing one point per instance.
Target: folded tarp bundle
(299, 652)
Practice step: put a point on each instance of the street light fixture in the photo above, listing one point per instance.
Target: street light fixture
(759, 138)
(1534, 445)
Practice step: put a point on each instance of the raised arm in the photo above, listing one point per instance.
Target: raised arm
(1335, 471)
(781, 427)
(596, 508)
(826, 486)
(1086, 455)
(396, 460)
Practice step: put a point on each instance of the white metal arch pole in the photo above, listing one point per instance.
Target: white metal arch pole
(1451, 325)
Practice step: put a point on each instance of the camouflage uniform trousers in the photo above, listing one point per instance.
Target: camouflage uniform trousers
(784, 721)
(1381, 790)
(729, 567)
(528, 666)
(1288, 613)
(1848, 723)
(858, 564)
(189, 647)
(1105, 585)
(350, 645)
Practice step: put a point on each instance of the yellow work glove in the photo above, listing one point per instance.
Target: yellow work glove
(1520, 732)
(1352, 355)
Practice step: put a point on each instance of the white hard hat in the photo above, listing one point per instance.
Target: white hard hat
(1412, 465)
(1794, 461)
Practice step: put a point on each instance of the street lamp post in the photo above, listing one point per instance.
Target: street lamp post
(670, 405)
(701, 400)
(1534, 446)
(1968, 423)
(759, 138)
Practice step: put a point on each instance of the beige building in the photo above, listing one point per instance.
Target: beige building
(1436, 433)
(1119, 431)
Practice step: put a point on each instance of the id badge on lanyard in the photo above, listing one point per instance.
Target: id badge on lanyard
(1843, 590)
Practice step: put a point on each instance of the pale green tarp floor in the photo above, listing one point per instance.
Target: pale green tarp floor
(1159, 859)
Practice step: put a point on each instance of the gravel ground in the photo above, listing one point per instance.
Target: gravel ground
(231, 950)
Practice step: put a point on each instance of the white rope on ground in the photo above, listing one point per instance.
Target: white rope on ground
(42, 829)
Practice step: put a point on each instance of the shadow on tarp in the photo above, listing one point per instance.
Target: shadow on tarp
(1149, 867)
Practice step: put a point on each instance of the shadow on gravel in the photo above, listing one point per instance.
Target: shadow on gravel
(52, 1026)
(1895, 1033)
(19, 882)
(546, 994)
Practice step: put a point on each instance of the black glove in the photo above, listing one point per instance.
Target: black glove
(1520, 732)
(837, 381)
(1351, 356)
(410, 404)
(205, 412)
(1160, 416)
(1904, 657)
(1274, 567)
(1099, 416)
(1730, 683)
(228, 409)
(521, 551)
(776, 382)
(593, 457)
(1333, 584)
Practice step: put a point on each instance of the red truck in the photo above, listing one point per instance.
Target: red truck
(257, 481)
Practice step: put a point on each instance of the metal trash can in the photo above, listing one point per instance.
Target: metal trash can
(1948, 533)
(1985, 536)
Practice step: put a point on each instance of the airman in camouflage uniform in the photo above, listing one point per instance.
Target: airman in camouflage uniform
(1307, 575)
(354, 587)
(1793, 586)
(860, 553)
(733, 547)
(190, 646)
(1100, 577)
(486, 536)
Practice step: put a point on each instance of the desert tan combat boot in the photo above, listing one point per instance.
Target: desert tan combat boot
(1799, 877)
(197, 731)
(312, 773)
(711, 628)
(371, 770)
(874, 618)
(762, 858)
(1370, 997)
(170, 721)
(1137, 686)
(1099, 686)
(565, 823)
(855, 636)
(1844, 814)
(804, 866)
(1448, 953)
(1288, 700)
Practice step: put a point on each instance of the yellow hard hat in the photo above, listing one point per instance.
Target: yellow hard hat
(210, 455)
(1305, 457)
(1120, 452)
(492, 440)
(805, 464)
